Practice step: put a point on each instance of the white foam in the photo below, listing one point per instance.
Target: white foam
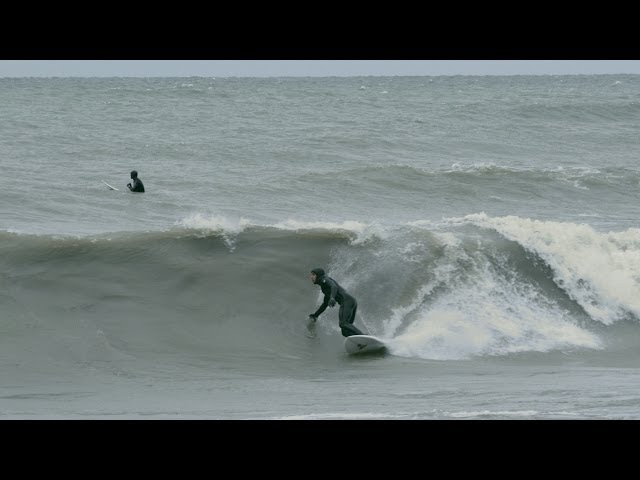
(600, 271)
(443, 275)
(474, 168)
(456, 333)
(226, 227)
(480, 311)
(400, 313)
(215, 223)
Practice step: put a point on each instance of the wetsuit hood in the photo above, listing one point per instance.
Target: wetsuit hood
(319, 274)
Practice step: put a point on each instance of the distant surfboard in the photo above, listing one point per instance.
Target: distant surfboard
(356, 344)
(111, 187)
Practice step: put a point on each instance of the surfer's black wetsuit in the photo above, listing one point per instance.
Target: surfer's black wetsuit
(348, 305)
(137, 186)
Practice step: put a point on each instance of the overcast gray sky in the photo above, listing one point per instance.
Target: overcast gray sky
(311, 68)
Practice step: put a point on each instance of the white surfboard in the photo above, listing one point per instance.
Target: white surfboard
(355, 344)
(110, 186)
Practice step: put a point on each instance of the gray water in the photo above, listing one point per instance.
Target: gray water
(486, 225)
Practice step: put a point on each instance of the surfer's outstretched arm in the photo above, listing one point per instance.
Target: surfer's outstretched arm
(322, 307)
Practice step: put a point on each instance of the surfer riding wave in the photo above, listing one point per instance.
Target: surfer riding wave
(333, 293)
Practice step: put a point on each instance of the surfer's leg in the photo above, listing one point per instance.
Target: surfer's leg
(347, 315)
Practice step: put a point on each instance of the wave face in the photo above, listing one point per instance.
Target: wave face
(457, 289)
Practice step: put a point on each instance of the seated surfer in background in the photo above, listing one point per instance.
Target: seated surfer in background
(335, 293)
(138, 186)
